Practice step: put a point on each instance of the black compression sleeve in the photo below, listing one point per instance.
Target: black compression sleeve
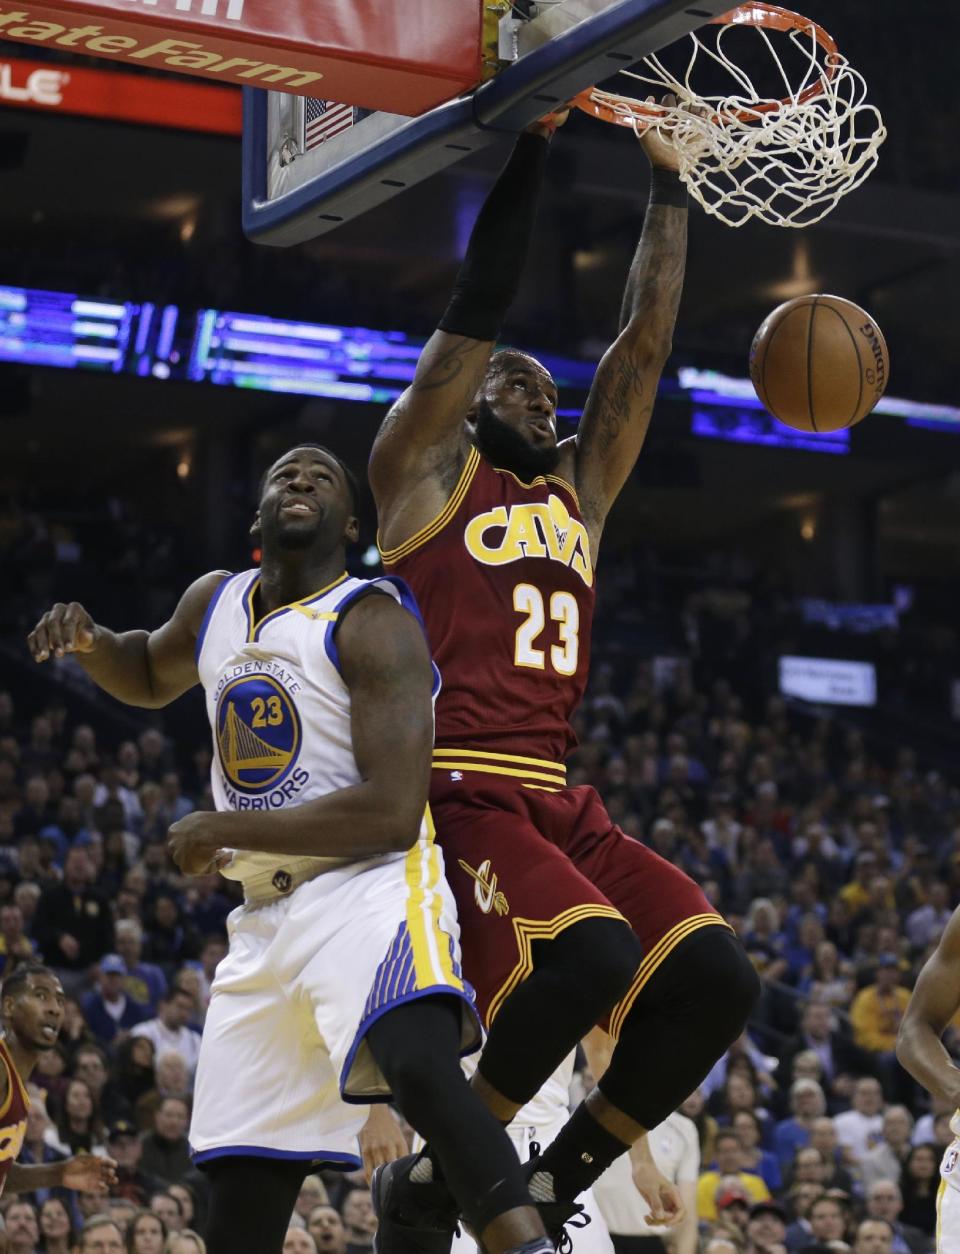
(666, 188)
(490, 273)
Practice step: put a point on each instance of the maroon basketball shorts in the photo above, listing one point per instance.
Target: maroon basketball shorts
(527, 857)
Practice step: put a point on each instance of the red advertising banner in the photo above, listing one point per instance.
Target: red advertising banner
(152, 101)
(399, 57)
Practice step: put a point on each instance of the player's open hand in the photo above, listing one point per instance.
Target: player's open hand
(195, 843)
(381, 1140)
(88, 1173)
(662, 1197)
(63, 629)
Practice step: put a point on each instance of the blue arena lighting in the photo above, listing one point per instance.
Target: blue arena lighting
(360, 364)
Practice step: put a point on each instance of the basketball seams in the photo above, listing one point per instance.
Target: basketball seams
(808, 365)
(859, 360)
(804, 372)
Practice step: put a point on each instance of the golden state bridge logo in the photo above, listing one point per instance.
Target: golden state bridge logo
(258, 735)
(538, 529)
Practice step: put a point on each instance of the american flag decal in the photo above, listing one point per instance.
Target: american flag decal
(324, 119)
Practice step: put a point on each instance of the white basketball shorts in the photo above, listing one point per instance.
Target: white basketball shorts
(284, 1060)
(948, 1202)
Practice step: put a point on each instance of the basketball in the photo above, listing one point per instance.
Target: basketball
(819, 363)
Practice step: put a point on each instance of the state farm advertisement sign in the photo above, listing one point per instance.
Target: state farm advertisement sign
(357, 52)
(138, 98)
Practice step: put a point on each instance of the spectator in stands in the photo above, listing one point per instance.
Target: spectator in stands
(823, 1137)
(733, 1211)
(166, 1150)
(147, 1233)
(171, 1080)
(145, 981)
(885, 1161)
(873, 1237)
(22, 1228)
(838, 1055)
(72, 925)
(171, 941)
(729, 1164)
(885, 1201)
(26, 896)
(919, 1184)
(170, 1030)
(188, 1203)
(924, 925)
(90, 1064)
(875, 1015)
(56, 1226)
(212, 953)
(15, 945)
(749, 1129)
(828, 1220)
(121, 1211)
(766, 1228)
(134, 1068)
(79, 1128)
(107, 1008)
(37, 810)
(801, 1198)
(313, 1193)
(101, 1235)
(359, 1221)
(860, 1128)
(326, 1227)
(133, 1182)
(169, 1209)
(185, 1242)
(175, 805)
(298, 1241)
(807, 1103)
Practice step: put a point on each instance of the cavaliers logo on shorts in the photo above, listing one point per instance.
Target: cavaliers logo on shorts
(258, 733)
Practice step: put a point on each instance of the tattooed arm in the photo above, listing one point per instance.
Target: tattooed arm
(421, 447)
(617, 413)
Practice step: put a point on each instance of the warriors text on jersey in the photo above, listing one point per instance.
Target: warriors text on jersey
(278, 707)
(13, 1115)
(504, 579)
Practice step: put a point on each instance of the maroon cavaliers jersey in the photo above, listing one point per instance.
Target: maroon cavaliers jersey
(504, 579)
(13, 1115)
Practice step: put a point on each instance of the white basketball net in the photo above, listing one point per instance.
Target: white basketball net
(744, 155)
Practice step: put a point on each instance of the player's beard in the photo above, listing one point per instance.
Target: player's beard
(507, 449)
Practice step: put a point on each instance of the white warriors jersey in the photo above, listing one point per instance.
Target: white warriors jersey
(950, 1163)
(278, 706)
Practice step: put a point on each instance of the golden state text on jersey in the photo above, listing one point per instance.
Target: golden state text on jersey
(259, 734)
(278, 706)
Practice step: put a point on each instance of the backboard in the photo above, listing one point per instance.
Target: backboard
(309, 165)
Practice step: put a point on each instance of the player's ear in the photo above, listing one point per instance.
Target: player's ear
(255, 526)
(352, 530)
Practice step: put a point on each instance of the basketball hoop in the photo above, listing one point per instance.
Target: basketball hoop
(746, 152)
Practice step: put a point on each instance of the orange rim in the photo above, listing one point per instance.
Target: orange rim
(628, 111)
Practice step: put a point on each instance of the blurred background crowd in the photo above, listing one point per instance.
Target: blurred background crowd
(833, 849)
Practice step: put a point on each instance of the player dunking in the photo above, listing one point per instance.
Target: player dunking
(32, 1002)
(343, 969)
(565, 921)
(932, 1007)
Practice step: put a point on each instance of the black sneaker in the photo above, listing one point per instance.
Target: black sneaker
(411, 1218)
(559, 1215)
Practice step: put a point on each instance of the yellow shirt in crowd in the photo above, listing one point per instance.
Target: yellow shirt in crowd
(709, 1183)
(876, 1018)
